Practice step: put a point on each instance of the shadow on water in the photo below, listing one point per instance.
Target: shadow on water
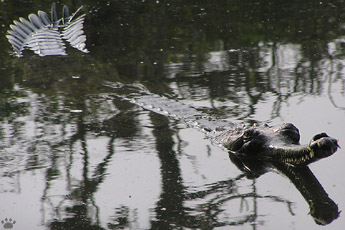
(51, 108)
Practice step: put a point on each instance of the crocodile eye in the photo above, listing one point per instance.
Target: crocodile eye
(290, 132)
(289, 126)
(246, 134)
(249, 134)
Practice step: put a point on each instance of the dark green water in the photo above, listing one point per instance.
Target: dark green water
(73, 158)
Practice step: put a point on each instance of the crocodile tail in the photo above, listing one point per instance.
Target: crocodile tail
(163, 105)
(41, 34)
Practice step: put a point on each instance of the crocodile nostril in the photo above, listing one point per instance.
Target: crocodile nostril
(319, 136)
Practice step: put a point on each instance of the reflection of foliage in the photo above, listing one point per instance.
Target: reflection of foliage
(81, 195)
(121, 219)
(156, 40)
(224, 193)
(157, 43)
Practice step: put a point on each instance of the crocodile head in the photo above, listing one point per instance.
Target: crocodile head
(323, 145)
(279, 143)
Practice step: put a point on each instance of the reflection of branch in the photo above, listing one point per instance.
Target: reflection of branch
(329, 89)
(81, 196)
(172, 209)
(227, 192)
(276, 105)
(322, 208)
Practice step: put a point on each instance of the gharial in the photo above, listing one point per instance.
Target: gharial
(269, 143)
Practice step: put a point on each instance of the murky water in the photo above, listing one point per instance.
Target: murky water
(73, 157)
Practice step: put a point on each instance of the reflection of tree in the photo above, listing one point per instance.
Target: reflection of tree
(158, 45)
(225, 192)
(174, 207)
(169, 208)
(121, 220)
(84, 211)
(152, 37)
(323, 209)
(330, 90)
(144, 40)
(57, 136)
(172, 210)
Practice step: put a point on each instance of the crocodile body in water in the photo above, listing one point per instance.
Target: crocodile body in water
(254, 150)
(269, 143)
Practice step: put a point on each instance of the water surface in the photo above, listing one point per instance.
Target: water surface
(74, 158)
